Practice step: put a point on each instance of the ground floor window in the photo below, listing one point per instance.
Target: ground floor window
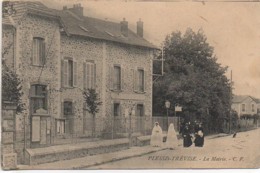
(38, 95)
(116, 109)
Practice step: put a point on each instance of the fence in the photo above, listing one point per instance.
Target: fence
(109, 128)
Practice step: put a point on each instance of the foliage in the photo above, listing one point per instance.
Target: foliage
(92, 100)
(193, 79)
(92, 105)
(11, 87)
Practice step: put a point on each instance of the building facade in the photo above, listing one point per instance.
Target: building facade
(245, 105)
(60, 53)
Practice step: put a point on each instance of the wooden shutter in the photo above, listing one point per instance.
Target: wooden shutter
(111, 77)
(34, 51)
(65, 76)
(62, 109)
(122, 77)
(91, 75)
(43, 55)
(88, 77)
(85, 75)
(135, 80)
(145, 80)
(112, 109)
(75, 75)
(95, 76)
(62, 73)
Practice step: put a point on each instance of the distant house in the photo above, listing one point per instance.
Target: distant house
(244, 104)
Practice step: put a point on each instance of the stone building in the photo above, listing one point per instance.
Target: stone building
(245, 105)
(59, 53)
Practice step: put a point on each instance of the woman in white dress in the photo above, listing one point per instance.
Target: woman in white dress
(156, 137)
(172, 140)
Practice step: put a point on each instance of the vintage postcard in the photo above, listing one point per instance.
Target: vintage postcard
(130, 84)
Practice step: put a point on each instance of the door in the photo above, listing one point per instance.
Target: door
(140, 117)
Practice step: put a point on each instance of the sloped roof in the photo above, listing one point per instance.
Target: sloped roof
(81, 26)
(241, 98)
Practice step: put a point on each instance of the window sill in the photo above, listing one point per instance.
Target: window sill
(68, 87)
(39, 114)
(37, 65)
(140, 92)
(117, 91)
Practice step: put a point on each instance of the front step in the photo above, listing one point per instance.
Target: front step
(70, 151)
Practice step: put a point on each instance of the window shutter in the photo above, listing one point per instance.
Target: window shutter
(62, 109)
(95, 76)
(122, 78)
(62, 73)
(74, 107)
(36, 56)
(135, 80)
(145, 82)
(33, 51)
(75, 75)
(43, 55)
(112, 109)
(65, 76)
(111, 77)
(85, 75)
(91, 75)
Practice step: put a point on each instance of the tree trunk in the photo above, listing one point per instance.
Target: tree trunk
(94, 126)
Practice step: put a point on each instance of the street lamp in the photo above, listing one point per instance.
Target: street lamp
(167, 105)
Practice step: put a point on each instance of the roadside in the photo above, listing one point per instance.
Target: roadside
(95, 160)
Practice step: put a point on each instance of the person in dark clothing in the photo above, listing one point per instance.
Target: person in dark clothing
(186, 136)
(199, 136)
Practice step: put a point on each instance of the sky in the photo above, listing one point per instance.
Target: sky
(232, 28)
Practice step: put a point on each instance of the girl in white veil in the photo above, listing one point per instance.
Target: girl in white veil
(156, 137)
(172, 140)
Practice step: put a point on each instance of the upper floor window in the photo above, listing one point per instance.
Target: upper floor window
(140, 84)
(243, 107)
(69, 73)
(253, 108)
(38, 55)
(89, 75)
(139, 80)
(38, 95)
(117, 78)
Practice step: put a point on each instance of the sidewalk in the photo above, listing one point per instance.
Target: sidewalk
(94, 160)
(90, 161)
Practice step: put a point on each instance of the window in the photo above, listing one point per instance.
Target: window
(89, 75)
(38, 55)
(140, 110)
(243, 107)
(117, 78)
(69, 72)
(68, 108)
(139, 80)
(116, 109)
(38, 97)
(253, 108)
(140, 84)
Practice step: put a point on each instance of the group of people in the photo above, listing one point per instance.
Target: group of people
(188, 136)
(172, 140)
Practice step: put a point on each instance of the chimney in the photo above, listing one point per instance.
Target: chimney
(140, 28)
(76, 9)
(124, 27)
